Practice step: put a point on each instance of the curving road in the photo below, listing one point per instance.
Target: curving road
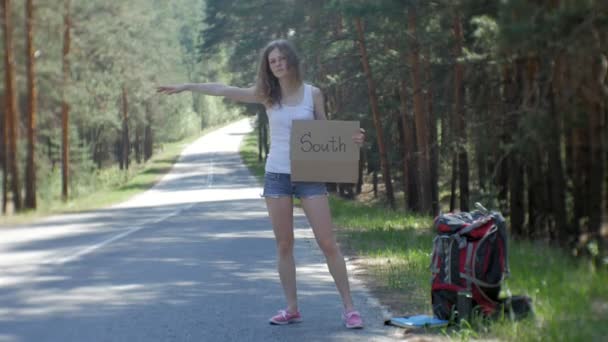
(192, 259)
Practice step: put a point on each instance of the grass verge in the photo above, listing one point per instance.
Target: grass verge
(393, 249)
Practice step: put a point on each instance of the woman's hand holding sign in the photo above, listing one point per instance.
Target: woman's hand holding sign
(359, 137)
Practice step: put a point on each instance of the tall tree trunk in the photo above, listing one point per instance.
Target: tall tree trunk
(30, 181)
(3, 151)
(148, 137)
(118, 151)
(459, 114)
(516, 189)
(444, 122)
(597, 130)
(404, 159)
(315, 9)
(516, 171)
(503, 121)
(534, 161)
(422, 129)
(138, 142)
(557, 178)
(410, 176)
(65, 107)
(97, 156)
(362, 158)
(12, 124)
(485, 142)
(434, 148)
(373, 97)
(125, 144)
(453, 182)
(580, 165)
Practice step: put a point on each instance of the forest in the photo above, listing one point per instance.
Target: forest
(498, 102)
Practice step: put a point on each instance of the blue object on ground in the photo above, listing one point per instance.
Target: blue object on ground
(418, 321)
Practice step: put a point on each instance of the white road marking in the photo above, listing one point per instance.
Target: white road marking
(92, 248)
(210, 173)
(103, 243)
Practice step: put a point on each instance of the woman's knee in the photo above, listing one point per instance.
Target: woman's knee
(285, 247)
(329, 247)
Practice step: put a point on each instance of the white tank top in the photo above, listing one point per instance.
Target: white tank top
(280, 120)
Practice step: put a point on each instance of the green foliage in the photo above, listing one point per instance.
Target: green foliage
(249, 155)
(485, 35)
(135, 46)
(533, 26)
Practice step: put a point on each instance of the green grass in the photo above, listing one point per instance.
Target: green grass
(570, 297)
(113, 185)
(249, 154)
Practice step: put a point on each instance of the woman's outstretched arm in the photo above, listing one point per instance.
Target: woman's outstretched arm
(214, 89)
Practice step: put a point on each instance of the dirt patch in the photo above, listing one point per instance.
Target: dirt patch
(396, 301)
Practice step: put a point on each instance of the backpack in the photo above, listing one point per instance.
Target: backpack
(470, 257)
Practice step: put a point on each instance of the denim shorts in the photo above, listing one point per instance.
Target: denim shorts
(280, 185)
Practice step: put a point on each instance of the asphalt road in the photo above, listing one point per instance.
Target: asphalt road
(192, 259)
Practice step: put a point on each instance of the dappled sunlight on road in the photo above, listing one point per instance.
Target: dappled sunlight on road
(21, 280)
(315, 272)
(32, 234)
(268, 234)
(199, 196)
(80, 300)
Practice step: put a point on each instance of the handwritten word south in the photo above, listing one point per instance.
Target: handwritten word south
(334, 144)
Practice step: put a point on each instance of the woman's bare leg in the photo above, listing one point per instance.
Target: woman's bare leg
(319, 216)
(281, 215)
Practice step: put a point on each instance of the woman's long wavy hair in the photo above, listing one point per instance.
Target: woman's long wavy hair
(267, 85)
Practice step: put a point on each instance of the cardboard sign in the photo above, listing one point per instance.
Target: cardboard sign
(324, 151)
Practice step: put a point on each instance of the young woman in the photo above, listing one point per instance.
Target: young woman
(279, 87)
